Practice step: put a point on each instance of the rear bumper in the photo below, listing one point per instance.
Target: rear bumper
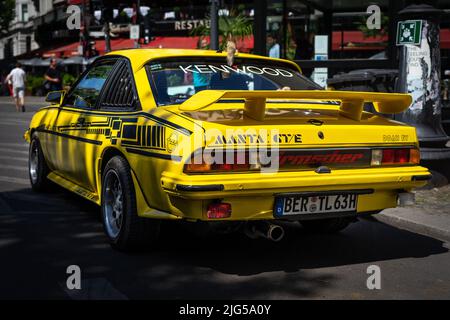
(214, 186)
(252, 195)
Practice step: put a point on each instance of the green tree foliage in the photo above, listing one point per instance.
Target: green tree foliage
(6, 15)
(68, 79)
(230, 28)
(371, 33)
(34, 83)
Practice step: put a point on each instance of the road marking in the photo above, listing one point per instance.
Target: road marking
(13, 158)
(10, 167)
(14, 150)
(15, 180)
(15, 120)
(13, 123)
(8, 144)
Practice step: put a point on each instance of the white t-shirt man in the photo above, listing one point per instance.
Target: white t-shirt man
(17, 76)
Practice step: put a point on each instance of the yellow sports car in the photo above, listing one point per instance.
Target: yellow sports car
(240, 142)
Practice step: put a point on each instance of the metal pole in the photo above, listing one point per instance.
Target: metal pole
(138, 9)
(259, 26)
(419, 75)
(285, 40)
(328, 19)
(108, 14)
(82, 29)
(107, 37)
(214, 42)
(394, 8)
(86, 24)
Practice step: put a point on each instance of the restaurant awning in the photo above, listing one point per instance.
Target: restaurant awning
(38, 62)
(71, 50)
(64, 51)
(244, 45)
(77, 60)
(32, 62)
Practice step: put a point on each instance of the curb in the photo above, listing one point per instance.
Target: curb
(413, 226)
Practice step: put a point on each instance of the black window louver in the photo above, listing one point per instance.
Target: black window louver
(120, 93)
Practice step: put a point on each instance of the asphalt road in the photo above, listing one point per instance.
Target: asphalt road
(42, 234)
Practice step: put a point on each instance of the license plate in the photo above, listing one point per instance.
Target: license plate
(301, 204)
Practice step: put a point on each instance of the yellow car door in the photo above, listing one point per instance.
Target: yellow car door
(78, 140)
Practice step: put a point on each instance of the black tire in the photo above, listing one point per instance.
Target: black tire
(131, 232)
(331, 225)
(38, 170)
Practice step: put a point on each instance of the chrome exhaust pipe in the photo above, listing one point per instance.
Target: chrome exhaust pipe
(264, 229)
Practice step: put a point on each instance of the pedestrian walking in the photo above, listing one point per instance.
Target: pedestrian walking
(17, 77)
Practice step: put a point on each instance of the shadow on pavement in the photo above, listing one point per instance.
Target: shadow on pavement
(39, 245)
(360, 243)
(440, 171)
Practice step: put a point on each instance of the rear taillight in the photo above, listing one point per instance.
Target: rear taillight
(414, 156)
(197, 168)
(215, 167)
(234, 161)
(238, 161)
(219, 210)
(395, 156)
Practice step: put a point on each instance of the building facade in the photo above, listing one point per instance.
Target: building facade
(26, 33)
(20, 38)
(41, 24)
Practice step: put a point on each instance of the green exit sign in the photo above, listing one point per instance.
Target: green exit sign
(409, 32)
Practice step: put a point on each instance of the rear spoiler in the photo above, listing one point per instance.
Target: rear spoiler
(351, 105)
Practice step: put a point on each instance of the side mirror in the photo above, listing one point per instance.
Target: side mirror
(55, 97)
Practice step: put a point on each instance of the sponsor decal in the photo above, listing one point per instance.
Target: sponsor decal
(253, 138)
(240, 139)
(172, 141)
(395, 138)
(319, 158)
(288, 138)
(249, 69)
(84, 193)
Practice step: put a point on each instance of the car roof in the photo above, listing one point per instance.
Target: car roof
(139, 57)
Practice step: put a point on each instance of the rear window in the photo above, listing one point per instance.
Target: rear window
(173, 81)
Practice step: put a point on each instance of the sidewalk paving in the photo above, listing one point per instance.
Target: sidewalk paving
(429, 216)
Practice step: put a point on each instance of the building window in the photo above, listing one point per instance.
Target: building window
(25, 12)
